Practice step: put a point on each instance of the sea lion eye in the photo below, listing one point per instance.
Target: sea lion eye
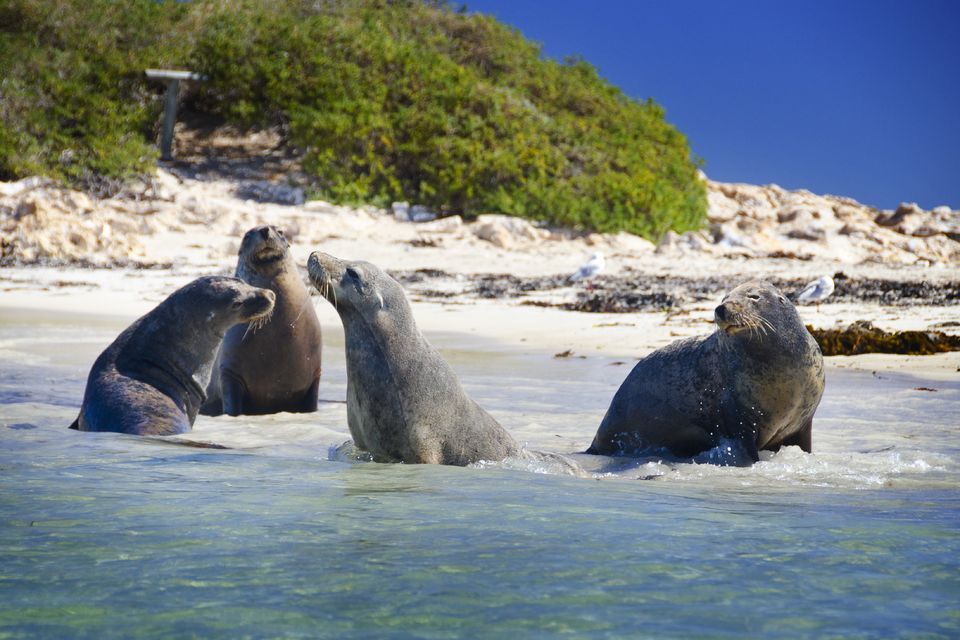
(353, 273)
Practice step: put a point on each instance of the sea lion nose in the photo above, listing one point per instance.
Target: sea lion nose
(264, 232)
(720, 312)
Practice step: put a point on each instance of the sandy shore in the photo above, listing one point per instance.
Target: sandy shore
(189, 227)
(513, 325)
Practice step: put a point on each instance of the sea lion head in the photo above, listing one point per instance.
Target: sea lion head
(359, 285)
(264, 250)
(183, 332)
(219, 302)
(755, 311)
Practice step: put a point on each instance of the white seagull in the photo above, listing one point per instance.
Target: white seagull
(590, 268)
(816, 292)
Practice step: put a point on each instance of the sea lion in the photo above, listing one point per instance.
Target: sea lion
(404, 402)
(277, 367)
(756, 381)
(151, 379)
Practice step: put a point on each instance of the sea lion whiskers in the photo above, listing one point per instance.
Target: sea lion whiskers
(751, 321)
(315, 300)
(763, 323)
(317, 293)
(768, 324)
(257, 323)
(753, 324)
(332, 289)
(303, 307)
(249, 325)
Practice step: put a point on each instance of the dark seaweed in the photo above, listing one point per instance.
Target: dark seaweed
(634, 291)
(863, 337)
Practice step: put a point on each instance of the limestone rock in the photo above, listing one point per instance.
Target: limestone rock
(726, 236)
(494, 233)
(319, 206)
(264, 191)
(518, 228)
(449, 224)
(668, 242)
(631, 243)
(14, 189)
(506, 231)
(812, 232)
(888, 219)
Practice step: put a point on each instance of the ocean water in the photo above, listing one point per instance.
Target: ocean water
(106, 535)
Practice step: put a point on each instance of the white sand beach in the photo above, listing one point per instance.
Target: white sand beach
(70, 253)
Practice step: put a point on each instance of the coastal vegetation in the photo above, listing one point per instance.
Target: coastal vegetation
(383, 101)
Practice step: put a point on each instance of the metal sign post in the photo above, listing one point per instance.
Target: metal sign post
(172, 78)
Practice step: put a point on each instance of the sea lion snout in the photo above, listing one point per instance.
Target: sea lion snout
(262, 246)
(318, 275)
(259, 304)
(727, 315)
(324, 271)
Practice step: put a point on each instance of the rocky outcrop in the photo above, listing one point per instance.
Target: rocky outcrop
(43, 223)
(507, 231)
(760, 221)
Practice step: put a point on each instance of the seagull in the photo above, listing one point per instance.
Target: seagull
(589, 269)
(816, 291)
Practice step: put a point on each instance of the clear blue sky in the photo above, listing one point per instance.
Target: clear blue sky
(851, 97)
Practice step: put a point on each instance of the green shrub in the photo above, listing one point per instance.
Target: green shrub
(388, 101)
(73, 101)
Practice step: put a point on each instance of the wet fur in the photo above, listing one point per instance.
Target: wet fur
(756, 381)
(274, 363)
(151, 379)
(404, 402)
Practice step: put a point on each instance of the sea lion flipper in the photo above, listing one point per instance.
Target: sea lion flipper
(802, 438)
(737, 419)
(749, 442)
(76, 424)
(212, 408)
(312, 397)
(231, 391)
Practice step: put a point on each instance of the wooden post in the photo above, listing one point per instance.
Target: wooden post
(169, 118)
(172, 78)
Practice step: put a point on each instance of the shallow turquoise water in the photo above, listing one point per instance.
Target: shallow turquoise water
(109, 535)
